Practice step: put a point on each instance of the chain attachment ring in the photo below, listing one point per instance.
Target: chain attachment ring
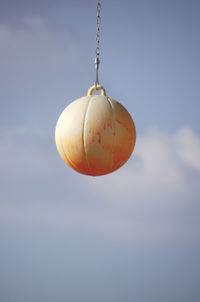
(99, 87)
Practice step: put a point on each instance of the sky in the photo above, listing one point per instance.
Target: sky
(133, 235)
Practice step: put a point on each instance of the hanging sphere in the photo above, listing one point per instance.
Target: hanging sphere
(95, 135)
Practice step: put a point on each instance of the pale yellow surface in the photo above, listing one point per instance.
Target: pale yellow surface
(95, 135)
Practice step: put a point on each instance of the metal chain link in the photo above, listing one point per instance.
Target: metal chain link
(97, 61)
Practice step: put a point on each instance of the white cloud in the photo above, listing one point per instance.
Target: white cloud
(38, 69)
(33, 55)
(155, 196)
(188, 144)
(34, 49)
(157, 169)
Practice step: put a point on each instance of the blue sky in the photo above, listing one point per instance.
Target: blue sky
(129, 236)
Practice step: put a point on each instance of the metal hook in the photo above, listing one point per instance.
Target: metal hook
(97, 62)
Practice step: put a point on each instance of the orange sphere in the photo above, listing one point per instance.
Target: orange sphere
(95, 135)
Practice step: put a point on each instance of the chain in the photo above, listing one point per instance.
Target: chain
(97, 61)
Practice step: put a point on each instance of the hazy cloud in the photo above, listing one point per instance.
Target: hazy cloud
(162, 163)
(154, 197)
